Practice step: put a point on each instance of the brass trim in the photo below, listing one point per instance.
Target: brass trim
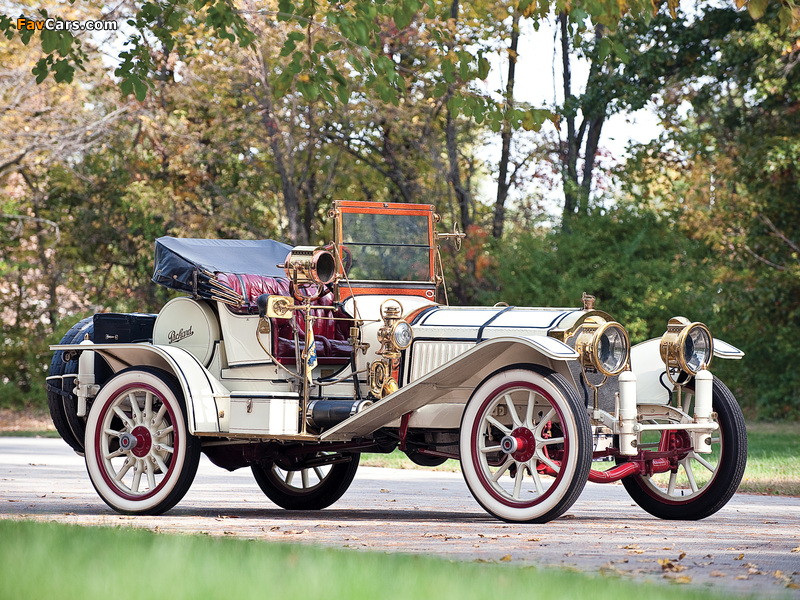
(564, 335)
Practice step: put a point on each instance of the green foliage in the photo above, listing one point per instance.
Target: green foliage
(729, 172)
(639, 268)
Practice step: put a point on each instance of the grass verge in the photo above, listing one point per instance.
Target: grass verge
(773, 459)
(49, 560)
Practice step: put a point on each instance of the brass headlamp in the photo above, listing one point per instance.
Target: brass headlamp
(603, 346)
(310, 264)
(686, 346)
(396, 334)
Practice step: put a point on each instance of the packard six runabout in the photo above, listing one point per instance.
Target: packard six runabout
(293, 361)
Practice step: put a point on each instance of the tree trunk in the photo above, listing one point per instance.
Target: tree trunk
(296, 232)
(569, 165)
(503, 182)
(463, 197)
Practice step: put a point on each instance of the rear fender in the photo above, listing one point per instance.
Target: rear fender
(204, 394)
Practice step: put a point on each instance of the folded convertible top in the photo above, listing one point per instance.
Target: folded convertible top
(190, 265)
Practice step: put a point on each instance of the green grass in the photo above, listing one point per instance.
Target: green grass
(398, 460)
(49, 560)
(44, 434)
(773, 461)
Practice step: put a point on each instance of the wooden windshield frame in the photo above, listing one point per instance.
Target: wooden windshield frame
(425, 289)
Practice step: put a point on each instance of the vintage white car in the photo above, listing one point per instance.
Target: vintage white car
(293, 361)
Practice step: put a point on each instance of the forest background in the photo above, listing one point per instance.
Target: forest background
(247, 120)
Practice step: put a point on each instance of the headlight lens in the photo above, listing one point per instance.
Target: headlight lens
(697, 348)
(402, 335)
(612, 349)
(603, 345)
(686, 346)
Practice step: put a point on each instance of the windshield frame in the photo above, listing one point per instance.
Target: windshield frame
(421, 287)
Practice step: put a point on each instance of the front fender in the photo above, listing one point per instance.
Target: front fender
(652, 385)
(201, 390)
(454, 381)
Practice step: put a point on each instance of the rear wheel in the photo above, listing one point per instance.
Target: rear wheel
(139, 454)
(61, 401)
(313, 484)
(525, 445)
(700, 484)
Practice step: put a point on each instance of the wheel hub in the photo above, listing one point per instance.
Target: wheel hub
(144, 441)
(521, 444)
(127, 441)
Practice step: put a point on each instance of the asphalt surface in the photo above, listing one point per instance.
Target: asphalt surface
(752, 546)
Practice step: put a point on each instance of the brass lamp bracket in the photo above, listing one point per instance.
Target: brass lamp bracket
(456, 235)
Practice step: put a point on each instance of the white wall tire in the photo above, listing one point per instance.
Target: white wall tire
(139, 454)
(539, 478)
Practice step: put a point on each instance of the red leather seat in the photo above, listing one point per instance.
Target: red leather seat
(330, 336)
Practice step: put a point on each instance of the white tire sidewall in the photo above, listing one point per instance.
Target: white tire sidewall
(107, 395)
(484, 497)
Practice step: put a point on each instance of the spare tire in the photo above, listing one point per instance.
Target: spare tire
(61, 400)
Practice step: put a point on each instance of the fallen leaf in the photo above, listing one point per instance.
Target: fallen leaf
(274, 528)
(668, 565)
(534, 539)
(742, 577)
(506, 558)
(796, 549)
(384, 491)
(717, 574)
(740, 557)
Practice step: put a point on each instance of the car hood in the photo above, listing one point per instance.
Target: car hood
(480, 323)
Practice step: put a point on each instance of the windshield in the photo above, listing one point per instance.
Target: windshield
(388, 247)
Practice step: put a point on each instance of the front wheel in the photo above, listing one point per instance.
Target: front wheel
(700, 484)
(525, 445)
(314, 484)
(139, 454)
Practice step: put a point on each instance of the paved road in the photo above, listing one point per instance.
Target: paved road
(746, 547)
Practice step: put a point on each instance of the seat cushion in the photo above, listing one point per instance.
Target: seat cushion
(330, 335)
